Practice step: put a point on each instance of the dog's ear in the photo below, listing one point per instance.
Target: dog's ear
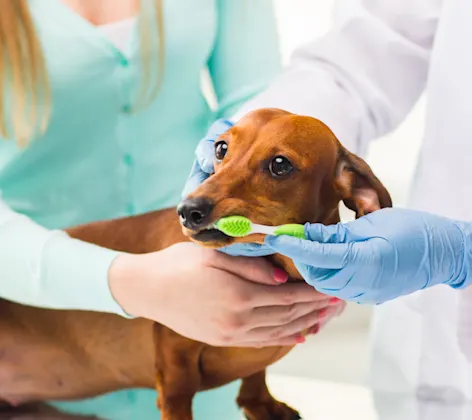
(361, 191)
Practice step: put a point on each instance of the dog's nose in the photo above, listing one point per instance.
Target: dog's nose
(194, 212)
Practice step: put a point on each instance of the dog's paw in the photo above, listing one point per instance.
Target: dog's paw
(270, 410)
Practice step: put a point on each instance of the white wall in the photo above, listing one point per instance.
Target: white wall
(393, 158)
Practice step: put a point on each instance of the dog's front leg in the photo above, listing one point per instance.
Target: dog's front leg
(257, 403)
(178, 376)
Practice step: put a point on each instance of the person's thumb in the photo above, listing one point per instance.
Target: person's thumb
(204, 154)
(206, 148)
(194, 180)
(256, 270)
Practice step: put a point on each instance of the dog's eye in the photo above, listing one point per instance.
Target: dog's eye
(220, 150)
(280, 166)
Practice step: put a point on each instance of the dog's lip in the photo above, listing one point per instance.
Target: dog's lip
(211, 234)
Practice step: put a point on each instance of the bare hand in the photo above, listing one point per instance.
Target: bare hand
(217, 299)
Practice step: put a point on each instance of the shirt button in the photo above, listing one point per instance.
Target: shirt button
(128, 159)
(124, 61)
(126, 108)
(131, 209)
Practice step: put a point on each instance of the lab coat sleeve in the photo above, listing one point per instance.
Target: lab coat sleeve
(45, 268)
(365, 75)
(246, 54)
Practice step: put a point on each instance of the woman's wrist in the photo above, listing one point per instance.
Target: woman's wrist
(131, 280)
(123, 270)
(74, 275)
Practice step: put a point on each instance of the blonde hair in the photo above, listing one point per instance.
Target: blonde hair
(23, 74)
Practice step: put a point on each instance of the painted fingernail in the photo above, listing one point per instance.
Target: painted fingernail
(300, 339)
(315, 330)
(280, 276)
(334, 301)
(322, 313)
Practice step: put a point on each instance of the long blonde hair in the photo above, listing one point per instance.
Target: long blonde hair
(23, 75)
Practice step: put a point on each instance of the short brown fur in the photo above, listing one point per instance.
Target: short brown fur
(47, 354)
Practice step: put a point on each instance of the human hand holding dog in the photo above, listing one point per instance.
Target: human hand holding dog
(208, 296)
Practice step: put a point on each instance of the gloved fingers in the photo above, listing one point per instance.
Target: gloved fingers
(247, 250)
(318, 232)
(319, 255)
(339, 283)
(319, 278)
(206, 148)
(326, 281)
(203, 167)
(195, 179)
(205, 155)
(335, 283)
(218, 128)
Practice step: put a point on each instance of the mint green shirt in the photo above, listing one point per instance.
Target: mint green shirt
(100, 160)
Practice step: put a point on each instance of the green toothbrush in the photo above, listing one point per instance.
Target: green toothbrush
(239, 226)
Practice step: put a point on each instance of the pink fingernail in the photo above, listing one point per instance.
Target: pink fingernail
(300, 339)
(315, 330)
(280, 276)
(334, 301)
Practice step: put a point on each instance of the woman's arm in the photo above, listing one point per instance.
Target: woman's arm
(200, 293)
(45, 268)
(246, 56)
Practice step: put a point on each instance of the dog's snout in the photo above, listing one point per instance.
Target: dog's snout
(194, 212)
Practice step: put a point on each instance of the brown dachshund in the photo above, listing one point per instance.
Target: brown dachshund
(272, 167)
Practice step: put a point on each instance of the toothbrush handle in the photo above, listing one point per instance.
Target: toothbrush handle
(298, 231)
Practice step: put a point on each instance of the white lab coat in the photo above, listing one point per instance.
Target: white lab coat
(362, 79)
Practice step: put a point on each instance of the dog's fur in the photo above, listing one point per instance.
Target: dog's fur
(47, 354)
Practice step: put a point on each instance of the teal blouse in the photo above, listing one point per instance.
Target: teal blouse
(101, 159)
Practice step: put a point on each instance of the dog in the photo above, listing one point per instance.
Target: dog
(273, 167)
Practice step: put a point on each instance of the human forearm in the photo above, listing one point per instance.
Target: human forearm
(46, 268)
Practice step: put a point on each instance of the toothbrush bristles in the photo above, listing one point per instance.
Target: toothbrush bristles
(235, 226)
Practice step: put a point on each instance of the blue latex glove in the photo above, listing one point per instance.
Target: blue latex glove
(381, 256)
(205, 153)
(202, 168)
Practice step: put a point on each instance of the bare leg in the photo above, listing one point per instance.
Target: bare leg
(257, 403)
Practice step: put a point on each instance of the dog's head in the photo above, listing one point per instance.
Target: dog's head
(275, 167)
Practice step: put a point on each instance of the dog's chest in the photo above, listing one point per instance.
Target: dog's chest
(216, 370)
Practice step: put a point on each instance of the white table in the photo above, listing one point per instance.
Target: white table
(320, 400)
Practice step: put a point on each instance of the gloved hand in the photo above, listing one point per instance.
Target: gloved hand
(202, 168)
(205, 153)
(383, 255)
